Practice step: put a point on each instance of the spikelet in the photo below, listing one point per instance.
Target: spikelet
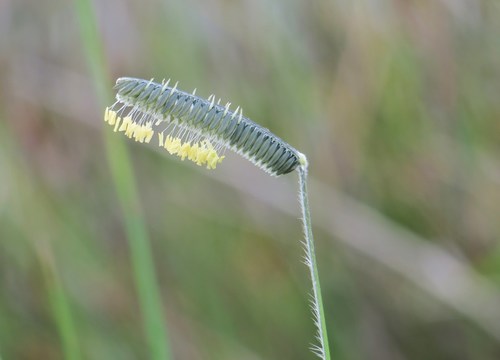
(197, 129)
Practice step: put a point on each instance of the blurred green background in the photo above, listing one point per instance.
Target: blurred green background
(395, 102)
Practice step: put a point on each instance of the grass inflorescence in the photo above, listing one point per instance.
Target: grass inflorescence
(197, 129)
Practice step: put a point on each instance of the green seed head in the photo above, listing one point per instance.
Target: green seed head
(197, 124)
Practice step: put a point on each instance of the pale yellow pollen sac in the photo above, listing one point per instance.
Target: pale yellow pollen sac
(212, 159)
(168, 145)
(201, 157)
(141, 133)
(106, 114)
(117, 123)
(172, 145)
(211, 155)
(193, 152)
(135, 133)
(138, 133)
(201, 153)
(130, 130)
(112, 117)
(126, 123)
(149, 135)
(176, 144)
(184, 151)
(109, 116)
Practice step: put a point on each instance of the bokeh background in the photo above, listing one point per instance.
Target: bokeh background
(395, 102)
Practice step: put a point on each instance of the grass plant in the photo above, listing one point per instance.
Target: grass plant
(199, 130)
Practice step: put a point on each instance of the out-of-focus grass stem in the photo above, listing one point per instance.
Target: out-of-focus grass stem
(61, 308)
(124, 182)
(32, 207)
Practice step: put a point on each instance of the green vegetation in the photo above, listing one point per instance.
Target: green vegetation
(105, 242)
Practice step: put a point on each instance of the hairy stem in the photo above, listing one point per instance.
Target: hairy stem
(323, 350)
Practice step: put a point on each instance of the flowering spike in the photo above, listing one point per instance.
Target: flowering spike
(189, 117)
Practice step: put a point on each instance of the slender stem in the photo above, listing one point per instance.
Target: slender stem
(62, 311)
(323, 350)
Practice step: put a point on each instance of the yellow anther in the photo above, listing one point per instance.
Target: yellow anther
(212, 159)
(184, 151)
(112, 117)
(193, 152)
(138, 133)
(106, 114)
(144, 133)
(202, 153)
(172, 145)
(176, 144)
(201, 157)
(149, 135)
(126, 122)
(130, 130)
(117, 124)
(212, 154)
(135, 132)
(167, 144)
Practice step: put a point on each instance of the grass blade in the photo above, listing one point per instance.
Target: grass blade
(124, 182)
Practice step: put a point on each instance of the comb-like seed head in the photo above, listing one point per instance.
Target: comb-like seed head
(195, 117)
